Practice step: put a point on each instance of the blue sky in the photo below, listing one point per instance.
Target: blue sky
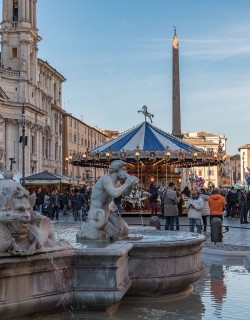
(117, 56)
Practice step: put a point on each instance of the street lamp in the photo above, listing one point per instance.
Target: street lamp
(167, 156)
(243, 166)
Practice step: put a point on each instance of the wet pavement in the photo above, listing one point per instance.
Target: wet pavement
(238, 234)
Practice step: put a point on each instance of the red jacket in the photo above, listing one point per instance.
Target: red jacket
(216, 203)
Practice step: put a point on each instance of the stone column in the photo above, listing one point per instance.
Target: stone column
(27, 10)
(176, 109)
(5, 10)
(22, 7)
(32, 12)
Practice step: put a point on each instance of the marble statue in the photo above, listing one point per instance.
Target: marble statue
(103, 223)
(22, 230)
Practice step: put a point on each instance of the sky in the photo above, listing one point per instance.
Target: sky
(117, 56)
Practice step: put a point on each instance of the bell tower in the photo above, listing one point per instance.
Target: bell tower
(19, 38)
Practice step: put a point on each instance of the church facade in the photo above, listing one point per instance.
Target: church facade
(30, 95)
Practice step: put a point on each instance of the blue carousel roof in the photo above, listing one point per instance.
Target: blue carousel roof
(148, 138)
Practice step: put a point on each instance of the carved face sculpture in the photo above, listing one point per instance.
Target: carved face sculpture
(22, 209)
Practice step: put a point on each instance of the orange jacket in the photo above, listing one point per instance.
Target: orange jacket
(216, 203)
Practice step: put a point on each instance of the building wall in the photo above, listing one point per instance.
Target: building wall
(79, 138)
(207, 142)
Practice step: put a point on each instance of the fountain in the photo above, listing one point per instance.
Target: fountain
(39, 273)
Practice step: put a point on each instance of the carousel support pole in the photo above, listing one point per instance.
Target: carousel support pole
(137, 157)
(157, 181)
(209, 173)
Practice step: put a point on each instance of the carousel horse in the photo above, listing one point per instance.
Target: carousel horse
(146, 113)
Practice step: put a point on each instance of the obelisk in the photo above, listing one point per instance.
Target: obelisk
(176, 108)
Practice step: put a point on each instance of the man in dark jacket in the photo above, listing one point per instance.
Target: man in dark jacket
(65, 200)
(39, 200)
(78, 201)
(232, 200)
(55, 204)
(242, 201)
(153, 190)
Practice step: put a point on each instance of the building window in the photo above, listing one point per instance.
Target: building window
(74, 137)
(71, 122)
(14, 53)
(15, 10)
(200, 173)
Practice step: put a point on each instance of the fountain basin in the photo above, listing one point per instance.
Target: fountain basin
(35, 283)
(158, 268)
(98, 277)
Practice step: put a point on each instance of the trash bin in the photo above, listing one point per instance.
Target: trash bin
(216, 230)
(155, 222)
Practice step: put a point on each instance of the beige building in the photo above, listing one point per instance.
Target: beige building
(244, 160)
(208, 142)
(30, 95)
(235, 169)
(79, 137)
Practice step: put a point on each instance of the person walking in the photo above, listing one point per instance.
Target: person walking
(153, 190)
(216, 204)
(55, 204)
(232, 201)
(205, 211)
(77, 201)
(242, 201)
(39, 200)
(194, 206)
(170, 206)
(65, 200)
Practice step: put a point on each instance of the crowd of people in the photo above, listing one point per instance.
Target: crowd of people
(202, 205)
(51, 203)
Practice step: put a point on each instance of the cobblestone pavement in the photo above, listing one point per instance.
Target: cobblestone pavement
(238, 235)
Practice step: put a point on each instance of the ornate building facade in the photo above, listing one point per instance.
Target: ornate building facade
(30, 95)
(79, 138)
(212, 175)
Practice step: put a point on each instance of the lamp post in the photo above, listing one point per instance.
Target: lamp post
(70, 160)
(235, 174)
(167, 156)
(243, 167)
(23, 143)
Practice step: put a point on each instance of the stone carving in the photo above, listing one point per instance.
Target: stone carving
(103, 223)
(22, 230)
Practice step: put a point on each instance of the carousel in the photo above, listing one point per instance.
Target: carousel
(152, 154)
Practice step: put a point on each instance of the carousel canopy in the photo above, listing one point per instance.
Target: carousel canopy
(148, 144)
(148, 138)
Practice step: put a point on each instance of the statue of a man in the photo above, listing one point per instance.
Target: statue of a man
(101, 222)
